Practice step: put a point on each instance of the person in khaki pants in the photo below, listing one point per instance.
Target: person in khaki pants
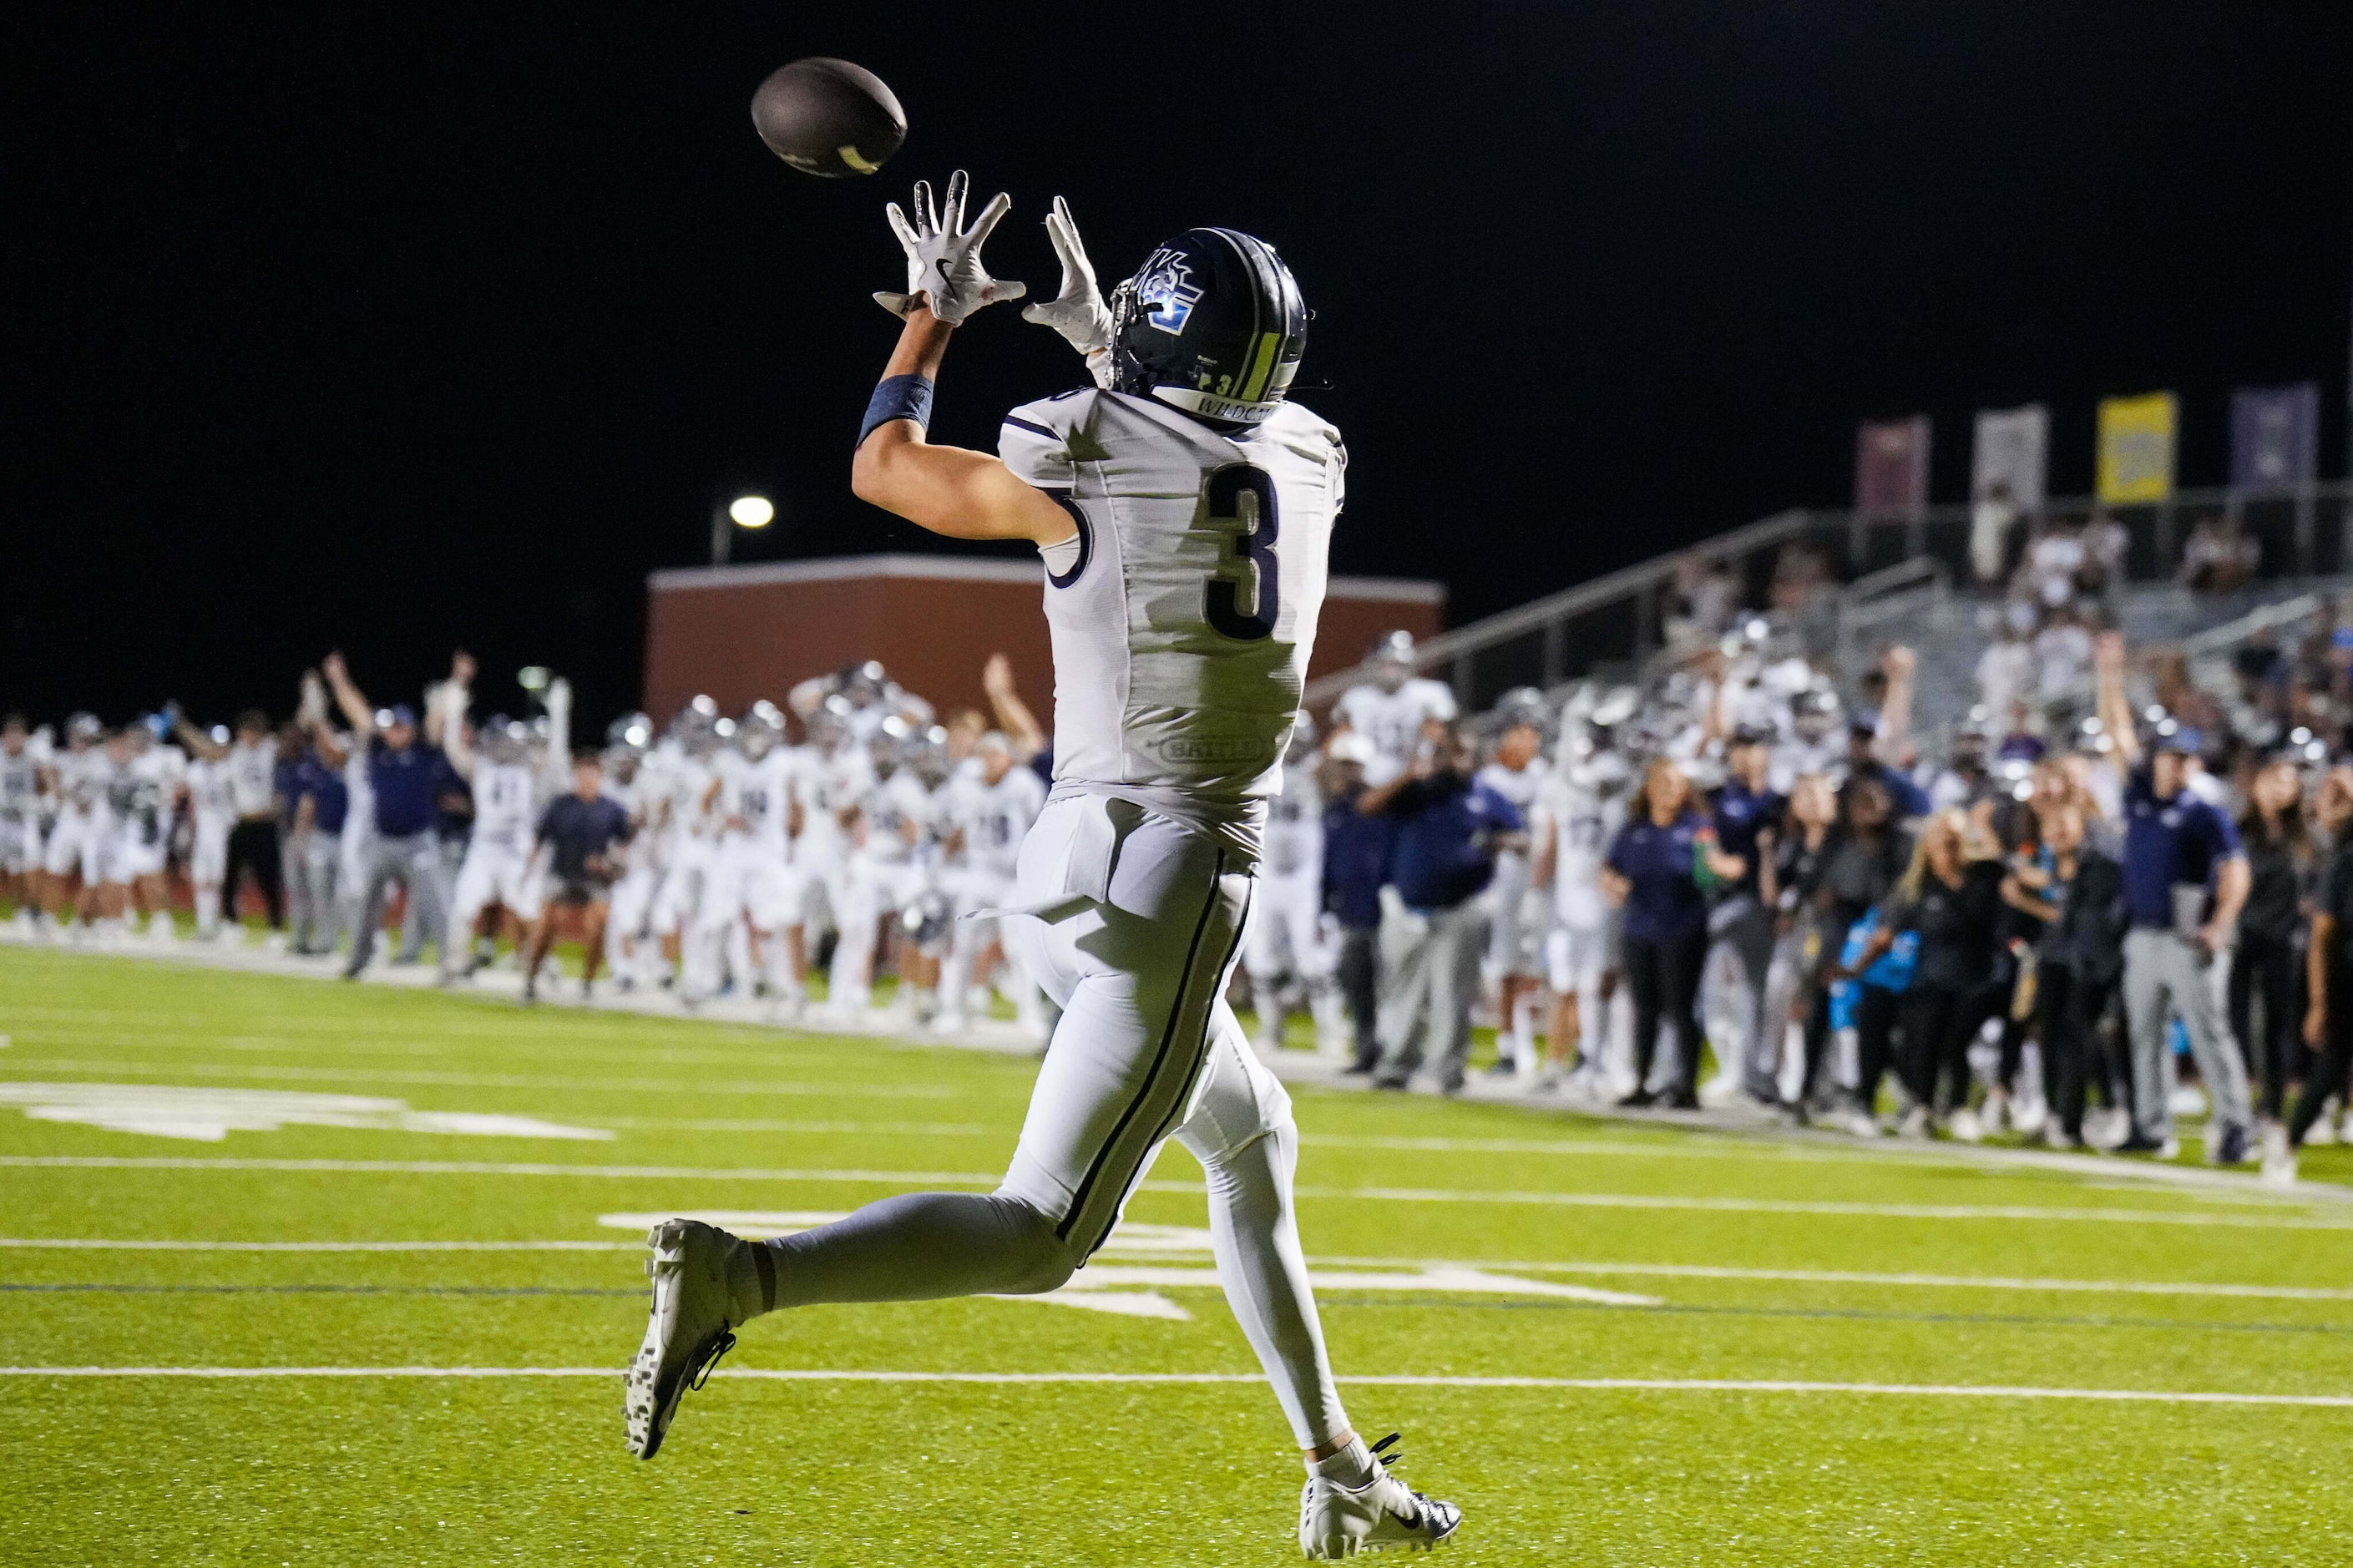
(2185, 880)
(1449, 828)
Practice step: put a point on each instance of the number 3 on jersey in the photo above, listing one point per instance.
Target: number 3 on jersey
(1241, 500)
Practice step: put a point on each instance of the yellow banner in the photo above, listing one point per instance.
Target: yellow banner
(2136, 448)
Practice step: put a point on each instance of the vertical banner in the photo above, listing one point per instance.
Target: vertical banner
(2013, 451)
(1891, 466)
(2274, 436)
(2136, 448)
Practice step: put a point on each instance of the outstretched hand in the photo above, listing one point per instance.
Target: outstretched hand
(943, 266)
(1078, 312)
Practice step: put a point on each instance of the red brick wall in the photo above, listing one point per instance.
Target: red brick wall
(745, 633)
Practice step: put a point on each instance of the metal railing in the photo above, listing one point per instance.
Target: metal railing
(1614, 625)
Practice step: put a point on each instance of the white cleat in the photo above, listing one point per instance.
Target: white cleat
(689, 1329)
(1383, 1514)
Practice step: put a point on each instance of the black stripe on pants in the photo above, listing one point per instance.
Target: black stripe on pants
(253, 846)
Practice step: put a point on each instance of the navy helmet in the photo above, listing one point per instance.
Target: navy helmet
(1211, 324)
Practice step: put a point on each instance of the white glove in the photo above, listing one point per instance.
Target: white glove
(943, 257)
(1078, 312)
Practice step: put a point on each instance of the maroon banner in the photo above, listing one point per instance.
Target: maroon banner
(1891, 466)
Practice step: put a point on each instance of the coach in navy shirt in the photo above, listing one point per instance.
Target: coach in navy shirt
(579, 847)
(1655, 873)
(1746, 813)
(1450, 827)
(2185, 880)
(405, 778)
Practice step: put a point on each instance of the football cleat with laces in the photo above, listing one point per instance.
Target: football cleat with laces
(1383, 1514)
(691, 1327)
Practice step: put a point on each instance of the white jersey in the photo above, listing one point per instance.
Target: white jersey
(891, 806)
(831, 786)
(506, 806)
(140, 793)
(208, 792)
(762, 800)
(696, 814)
(253, 777)
(20, 787)
(992, 817)
(82, 777)
(1519, 786)
(1294, 825)
(1393, 720)
(1184, 612)
(1584, 820)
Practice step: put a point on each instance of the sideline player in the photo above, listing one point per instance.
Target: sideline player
(1184, 513)
(20, 820)
(1393, 708)
(1515, 771)
(989, 812)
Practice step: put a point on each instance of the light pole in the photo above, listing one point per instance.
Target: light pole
(744, 511)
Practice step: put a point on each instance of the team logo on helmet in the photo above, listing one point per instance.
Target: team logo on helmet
(1166, 289)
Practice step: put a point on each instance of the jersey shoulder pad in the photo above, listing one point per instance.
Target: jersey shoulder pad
(1043, 442)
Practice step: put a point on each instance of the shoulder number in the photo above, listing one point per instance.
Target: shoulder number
(1241, 500)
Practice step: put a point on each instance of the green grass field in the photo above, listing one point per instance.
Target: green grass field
(1910, 1277)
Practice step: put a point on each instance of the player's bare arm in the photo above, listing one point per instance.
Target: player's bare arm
(947, 491)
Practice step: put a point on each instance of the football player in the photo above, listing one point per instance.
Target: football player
(1580, 809)
(80, 774)
(1515, 770)
(509, 790)
(1183, 509)
(630, 781)
(1283, 946)
(835, 774)
(755, 854)
(20, 820)
(989, 812)
(1395, 709)
(884, 876)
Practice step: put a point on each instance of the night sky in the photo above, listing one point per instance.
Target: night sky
(396, 326)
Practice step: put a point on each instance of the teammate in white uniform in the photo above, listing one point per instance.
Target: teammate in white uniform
(1185, 513)
(496, 872)
(755, 850)
(1284, 947)
(1580, 809)
(883, 875)
(141, 805)
(696, 816)
(80, 772)
(212, 812)
(1517, 771)
(989, 811)
(833, 778)
(1394, 708)
(20, 820)
(631, 781)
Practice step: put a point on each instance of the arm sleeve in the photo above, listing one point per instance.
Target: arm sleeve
(2221, 835)
(1035, 439)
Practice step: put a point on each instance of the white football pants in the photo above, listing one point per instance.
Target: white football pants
(1140, 923)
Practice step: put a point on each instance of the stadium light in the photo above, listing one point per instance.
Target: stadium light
(751, 511)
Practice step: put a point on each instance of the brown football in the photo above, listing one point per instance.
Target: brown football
(829, 118)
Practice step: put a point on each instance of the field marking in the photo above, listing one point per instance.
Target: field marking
(680, 1085)
(1595, 1384)
(1636, 1201)
(500, 1168)
(1521, 1266)
(210, 1115)
(1836, 1277)
(1809, 1206)
(93, 1244)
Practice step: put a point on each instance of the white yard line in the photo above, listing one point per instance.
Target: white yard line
(680, 1085)
(1597, 1385)
(1514, 1266)
(1632, 1201)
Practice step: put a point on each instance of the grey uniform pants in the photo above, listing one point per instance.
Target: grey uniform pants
(1740, 961)
(2161, 966)
(1429, 979)
(312, 864)
(413, 860)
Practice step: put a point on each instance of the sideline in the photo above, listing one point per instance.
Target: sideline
(1734, 1126)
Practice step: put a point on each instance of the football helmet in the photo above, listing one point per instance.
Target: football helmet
(761, 729)
(1390, 660)
(1211, 324)
(634, 731)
